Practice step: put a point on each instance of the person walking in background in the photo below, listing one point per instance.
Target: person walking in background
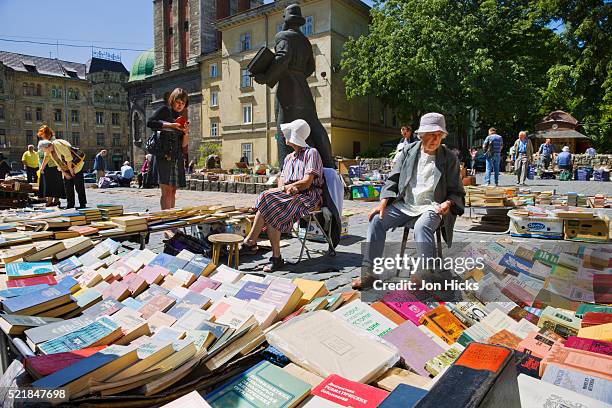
(175, 138)
(545, 153)
(143, 171)
(473, 153)
(30, 163)
(591, 152)
(564, 159)
(100, 164)
(492, 146)
(70, 161)
(5, 169)
(523, 152)
(50, 185)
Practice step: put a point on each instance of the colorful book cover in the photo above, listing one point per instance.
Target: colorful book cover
(251, 291)
(84, 337)
(406, 306)
(41, 334)
(594, 346)
(589, 385)
(414, 346)
(527, 364)
(104, 308)
(14, 292)
(442, 322)
(579, 360)
(17, 270)
(403, 396)
(347, 393)
(515, 264)
(536, 344)
(43, 365)
(67, 265)
(264, 385)
(36, 280)
(33, 299)
(132, 303)
(363, 316)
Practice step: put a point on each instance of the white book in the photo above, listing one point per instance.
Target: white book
(236, 319)
(535, 393)
(497, 321)
(166, 334)
(252, 278)
(184, 276)
(226, 274)
(191, 400)
(265, 313)
(585, 384)
(179, 292)
(223, 305)
(185, 255)
(523, 328)
(230, 289)
(147, 255)
(192, 319)
(478, 332)
(213, 295)
(365, 317)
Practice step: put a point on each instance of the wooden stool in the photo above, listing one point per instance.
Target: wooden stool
(232, 241)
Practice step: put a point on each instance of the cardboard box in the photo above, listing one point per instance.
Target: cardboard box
(536, 227)
(343, 165)
(588, 230)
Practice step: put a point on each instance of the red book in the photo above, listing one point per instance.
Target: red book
(602, 288)
(595, 319)
(36, 280)
(44, 365)
(348, 393)
(594, 346)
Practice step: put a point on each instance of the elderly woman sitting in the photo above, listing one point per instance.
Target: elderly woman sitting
(423, 191)
(298, 193)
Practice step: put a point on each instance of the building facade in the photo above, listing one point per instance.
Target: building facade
(85, 104)
(241, 113)
(183, 32)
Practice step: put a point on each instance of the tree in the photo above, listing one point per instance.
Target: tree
(452, 56)
(581, 82)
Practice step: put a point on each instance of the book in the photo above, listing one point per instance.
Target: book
(44, 365)
(101, 332)
(261, 61)
(193, 320)
(165, 334)
(595, 319)
(505, 338)
(284, 295)
(482, 376)
(251, 291)
(363, 316)
(396, 376)
(406, 305)
(178, 293)
(591, 386)
(74, 246)
(563, 323)
(602, 332)
(118, 290)
(202, 339)
(540, 394)
(183, 351)
(443, 323)
(153, 274)
(153, 291)
(159, 303)
(170, 282)
(404, 396)
(304, 375)
(325, 344)
(106, 307)
(35, 280)
(225, 274)
(439, 363)
(36, 302)
(414, 346)
(345, 393)
(264, 385)
(159, 320)
(20, 270)
(594, 346)
(527, 364)
(17, 253)
(578, 360)
(16, 324)
(67, 265)
(101, 365)
(204, 282)
(191, 400)
(265, 313)
(87, 298)
(149, 354)
(237, 319)
(132, 304)
(37, 335)
(310, 290)
(136, 284)
(131, 324)
(186, 277)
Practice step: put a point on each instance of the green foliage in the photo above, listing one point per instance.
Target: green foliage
(376, 153)
(205, 150)
(453, 55)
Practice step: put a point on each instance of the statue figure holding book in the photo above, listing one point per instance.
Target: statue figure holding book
(289, 67)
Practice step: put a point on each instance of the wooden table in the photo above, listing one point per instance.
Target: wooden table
(232, 241)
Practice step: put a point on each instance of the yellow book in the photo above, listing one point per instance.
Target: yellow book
(601, 332)
(149, 354)
(310, 290)
(183, 351)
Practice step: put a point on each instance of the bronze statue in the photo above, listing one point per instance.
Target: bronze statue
(293, 63)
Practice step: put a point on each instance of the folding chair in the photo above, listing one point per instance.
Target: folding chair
(308, 219)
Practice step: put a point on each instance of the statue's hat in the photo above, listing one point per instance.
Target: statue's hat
(293, 15)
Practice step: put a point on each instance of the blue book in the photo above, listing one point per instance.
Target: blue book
(177, 311)
(251, 290)
(199, 258)
(67, 265)
(516, 264)
(403, 396)
(107, 307)
(176, 264)
(196, 299)
(102, 331)
(68, 283)
(38, 301)
(162, 260)
(275, 356)
(132, 303)
(194, 267)
(18, 270)
(14, 292)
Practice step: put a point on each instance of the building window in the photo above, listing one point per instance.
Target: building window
(245, 42)
(213, 71)
(100, 139)
(246, 81)
(99, 118)
(73, 94)
(308, 28)
(3, 138)
(76, 139)
(39, 117)
(1, 112)
(247, 114)
(59, 134)
(214, 98)
(214, 129)
(115, 119)
(56, 92)
(29, 137)
(29, 89)
(28, 114)
(57, 115)
(38, 90)
(75, 116)
(116, 139)
(247, 150)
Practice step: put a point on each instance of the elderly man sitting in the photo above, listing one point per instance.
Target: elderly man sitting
(423, 191)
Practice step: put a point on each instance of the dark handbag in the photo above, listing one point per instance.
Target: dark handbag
(154, 144)
(77, 156)
(180, 241)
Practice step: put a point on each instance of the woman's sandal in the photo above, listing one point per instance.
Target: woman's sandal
(247, 249)
(274, 265)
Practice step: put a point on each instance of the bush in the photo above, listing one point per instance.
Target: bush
(205, 150)
(376, 153)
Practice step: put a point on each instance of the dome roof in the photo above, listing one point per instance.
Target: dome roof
(143, 66)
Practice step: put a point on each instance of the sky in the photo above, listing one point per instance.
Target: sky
(105, 24)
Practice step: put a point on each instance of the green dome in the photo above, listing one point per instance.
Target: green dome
(143, 66)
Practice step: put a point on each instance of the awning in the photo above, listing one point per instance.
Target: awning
(560, 134)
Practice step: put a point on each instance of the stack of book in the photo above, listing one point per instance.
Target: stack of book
(130, 223)
(92, 214)
(109, 211)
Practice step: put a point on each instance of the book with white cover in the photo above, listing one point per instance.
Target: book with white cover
(365, 317)
(535, 393)
(265, 313)
(226, 274)
(236, 319)
(585, 384)
(192, 320)
(191, 400)
(213, 295)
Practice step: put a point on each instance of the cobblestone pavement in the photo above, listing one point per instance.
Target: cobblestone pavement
(337, 271)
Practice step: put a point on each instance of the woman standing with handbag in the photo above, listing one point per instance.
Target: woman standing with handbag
(173, 142)
(50, 184)
(69, 161)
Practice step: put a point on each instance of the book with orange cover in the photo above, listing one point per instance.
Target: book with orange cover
(505, 338)
(443, 323)
(586, 362)
(386, 311)
(83, 230)
(536, 344)
(43, 365)
(595, 318)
